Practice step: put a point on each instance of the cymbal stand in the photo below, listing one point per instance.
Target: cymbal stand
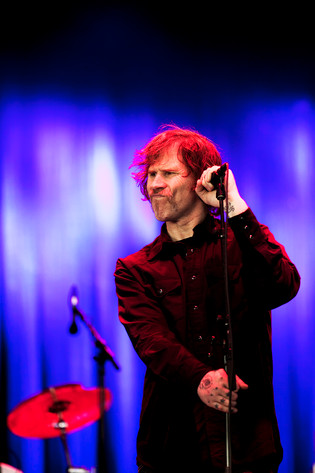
(57, 407)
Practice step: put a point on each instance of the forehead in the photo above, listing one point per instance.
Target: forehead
(168, 159)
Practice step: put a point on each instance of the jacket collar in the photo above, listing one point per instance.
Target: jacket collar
(164, 246)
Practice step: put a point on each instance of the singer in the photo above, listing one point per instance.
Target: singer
(171, 302)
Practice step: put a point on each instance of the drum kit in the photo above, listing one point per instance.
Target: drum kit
(58, 411)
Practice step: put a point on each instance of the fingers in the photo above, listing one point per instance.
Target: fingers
(223, 404)
(223, 401)
(205, 178)
(240, 384)
(205, 190)
(228, 398)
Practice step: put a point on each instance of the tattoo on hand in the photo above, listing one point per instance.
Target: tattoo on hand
(206, 383)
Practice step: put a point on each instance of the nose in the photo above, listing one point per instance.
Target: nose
(156, 183)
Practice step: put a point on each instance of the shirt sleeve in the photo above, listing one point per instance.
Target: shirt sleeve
(273, 278)
(157, 345)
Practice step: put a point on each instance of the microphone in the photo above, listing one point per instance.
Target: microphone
(217, 175)
(74, 300)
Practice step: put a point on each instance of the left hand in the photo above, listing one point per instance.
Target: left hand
(207, 192)
(213, 391)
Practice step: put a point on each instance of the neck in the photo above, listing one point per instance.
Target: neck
(184, 228)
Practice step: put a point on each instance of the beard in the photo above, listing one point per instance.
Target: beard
(162, 207)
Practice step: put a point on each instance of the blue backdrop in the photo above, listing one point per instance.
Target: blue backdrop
(75, 105)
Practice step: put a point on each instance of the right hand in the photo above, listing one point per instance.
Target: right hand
(213, 390)
(207, 193)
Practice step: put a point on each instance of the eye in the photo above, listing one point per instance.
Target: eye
(151, 174)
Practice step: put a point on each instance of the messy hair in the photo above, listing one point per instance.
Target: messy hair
(195, 150)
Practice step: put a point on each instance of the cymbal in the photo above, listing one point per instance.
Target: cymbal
(57, 410)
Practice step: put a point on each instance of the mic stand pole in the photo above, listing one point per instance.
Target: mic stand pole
(104, 354)
(228, 356)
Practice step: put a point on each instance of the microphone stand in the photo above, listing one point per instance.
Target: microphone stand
(104, 354)
(228, 356)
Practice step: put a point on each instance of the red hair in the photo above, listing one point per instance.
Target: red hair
(196, 151)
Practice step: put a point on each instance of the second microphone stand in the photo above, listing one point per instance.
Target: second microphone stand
(104, 354)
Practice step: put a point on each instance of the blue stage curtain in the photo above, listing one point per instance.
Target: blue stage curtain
(69, 209)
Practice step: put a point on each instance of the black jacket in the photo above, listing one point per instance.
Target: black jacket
(171, 302)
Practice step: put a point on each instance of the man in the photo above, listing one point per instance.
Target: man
(172, 303)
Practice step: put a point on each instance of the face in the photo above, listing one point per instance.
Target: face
(171, 189)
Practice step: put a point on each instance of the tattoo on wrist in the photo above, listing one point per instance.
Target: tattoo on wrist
(230, 208)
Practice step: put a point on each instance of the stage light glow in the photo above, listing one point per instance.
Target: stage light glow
(104, 185)
(70, 208)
